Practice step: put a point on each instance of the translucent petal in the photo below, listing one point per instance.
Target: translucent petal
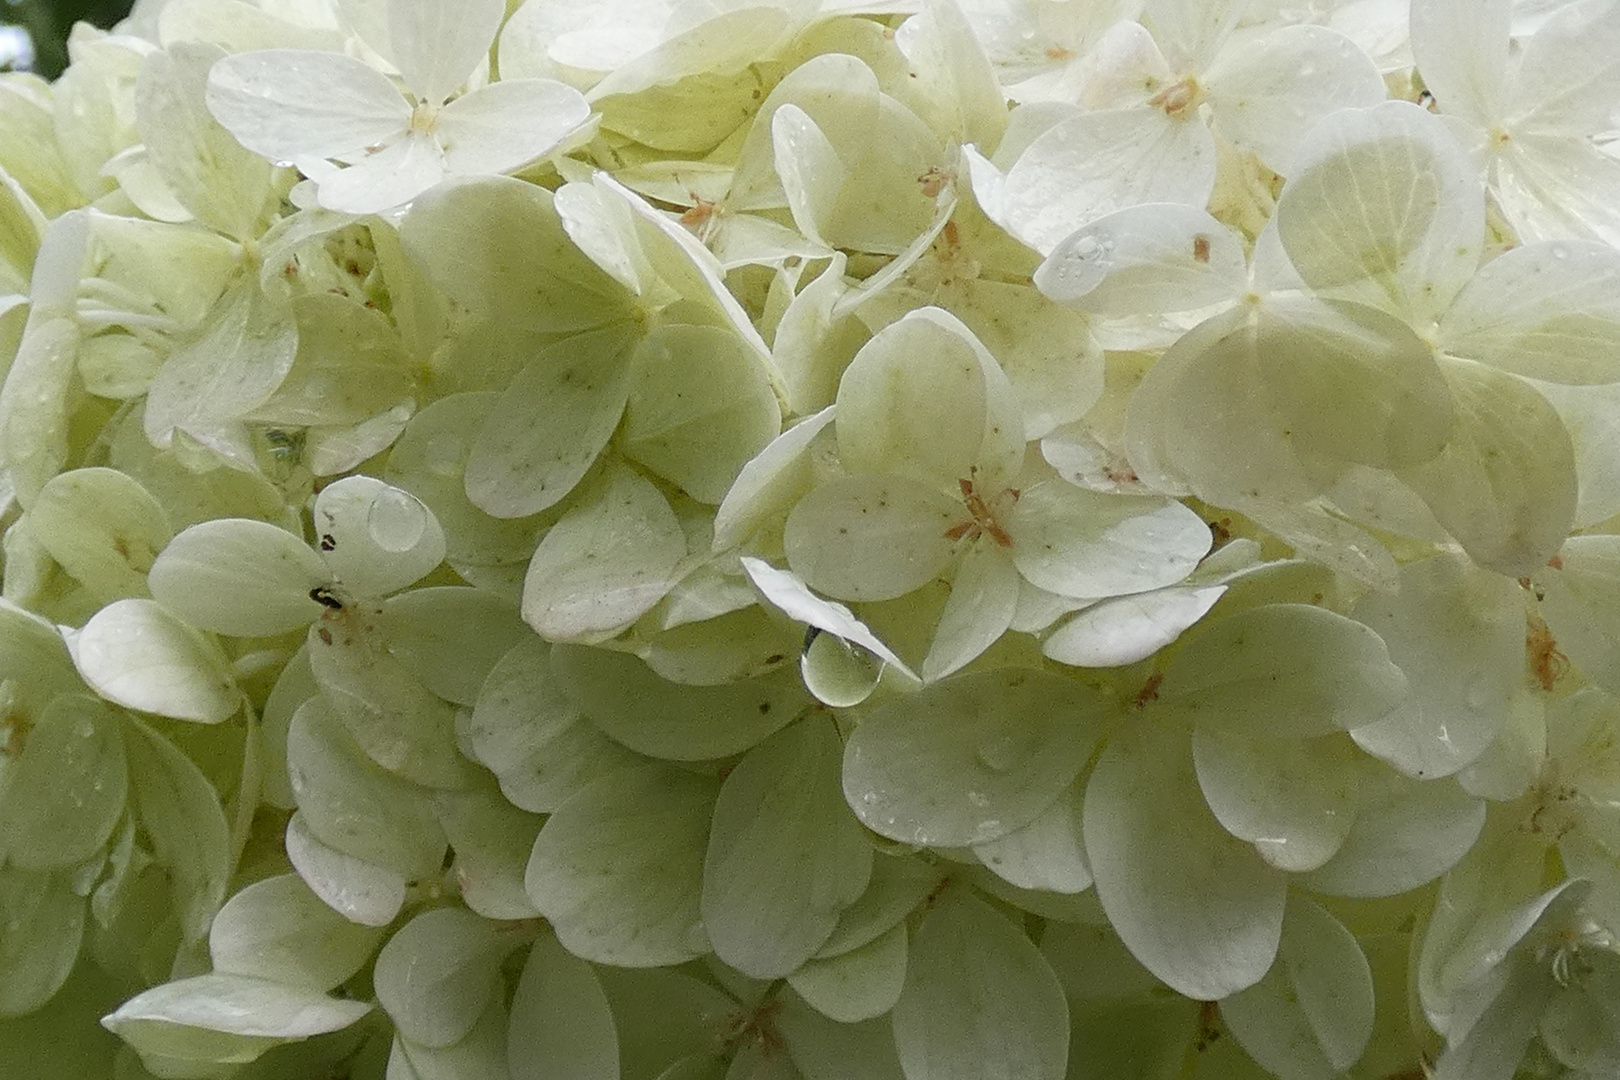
(480, 1056)
(1505, 486)
(1384, 207)
(503, 126)
(618, 869)
(375, 537)
(1461, 46)
(1407, 832)
(1578, 601)
(700, 407)
(351, 805)
(953, 75)
(450, 637)
(813, 175)
(532, 736)
(1049, 853)
(437, 47)
(1100, 162)
(971, 758)
(497, 245)
(103, 528)
(1194, 904)
(1391, 404)
(1553, 187)
(394, 719)
(63, 793)
(857, 985)
(360, 891)
(1493, 1046)
(491, 839)
(45, 923)
(607, 560)
(277, 929)
(984, 596)
(1194, 30)
(1545, 311)
(1590, 415)
(232, 366)
(1567, 79)
(1162, 257)
(1458, 633)
(1076, 542)
(391, 176)
(1266, 93)
(871, 537)
(653, 716)
(786, 591)
(561, 1025)
(158, 1021)
(1294, 800)
(138, 654)
(240, 577)
(979, 1000)
(1129, 628)
(785, 855)
(899, 883)
(1312, 1015)
(1283, 671)
(437, 973)
(288, 103)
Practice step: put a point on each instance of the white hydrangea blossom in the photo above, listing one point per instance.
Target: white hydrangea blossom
(900, 539)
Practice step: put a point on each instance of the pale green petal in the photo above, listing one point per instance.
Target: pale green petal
(984, 597)
(44, 921)
(857, 985)
(785, 855)
(979, 1000)
(824, 1049)
(61, 796)
(899, 883)
(548, 426)
(1294, 800)
(561, 1025)
(1383, 206)
(240, 577)
(289, 103)
(669, 720)
(480, 1056)
(871, 536)
(103, 528)
(1196, 905)
(1505, 486)
(376, 538)
(767, 487)
(350, 804)
(436, 47)
(1407, 832)
(1075, 542)
(1159, 257)
(138, 654)
(1129, 628)
(607, 561)
(969, 759)
(1283, 671)
(1462, 48)
(1049, 853)
(503, 126)
(1579, 601)
(786, 591)
(1458, 633)
(450, 638)
(491, 839)
(618, 869)
(360, 891)
(277, 929)
(1545, 311)
(1312, 1015)
(437, 973)
(700, 407)
(812, 172)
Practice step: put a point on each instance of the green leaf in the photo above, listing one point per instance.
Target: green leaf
(971, 758)
(653, 716)
(785, 856)
(618, 869)
(980, 1002)
(561, 1027)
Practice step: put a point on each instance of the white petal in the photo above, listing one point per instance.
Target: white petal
(1100, 162)
(505, 125)
(871, 537)
(1194, 29)
(1162, 257)
(136, 653)
(437, 45)
(360, 891)
(376, 538)
(1461, 48)
(1267, 92)
(812, 173)
(1076, 542)
(1294, 800)
(1568, 78)
(1552, 187)
(1129, 628)
(398, 173)
(788, 592)
(239, 577)
(770, 484)
(287, 103)
(984, 596)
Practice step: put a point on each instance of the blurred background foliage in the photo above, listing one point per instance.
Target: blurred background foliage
(33, 33)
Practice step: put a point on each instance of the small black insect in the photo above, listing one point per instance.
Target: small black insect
(323, 596)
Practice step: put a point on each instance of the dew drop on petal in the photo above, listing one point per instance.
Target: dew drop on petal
(395, 520)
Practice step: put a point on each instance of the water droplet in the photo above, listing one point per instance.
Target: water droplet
(1559, 251)
(1087, 247)
(1001, 750)
(396, 520)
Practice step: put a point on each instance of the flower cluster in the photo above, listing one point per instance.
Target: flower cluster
(811, 540)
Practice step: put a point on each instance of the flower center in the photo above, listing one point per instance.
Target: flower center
(983, 514)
